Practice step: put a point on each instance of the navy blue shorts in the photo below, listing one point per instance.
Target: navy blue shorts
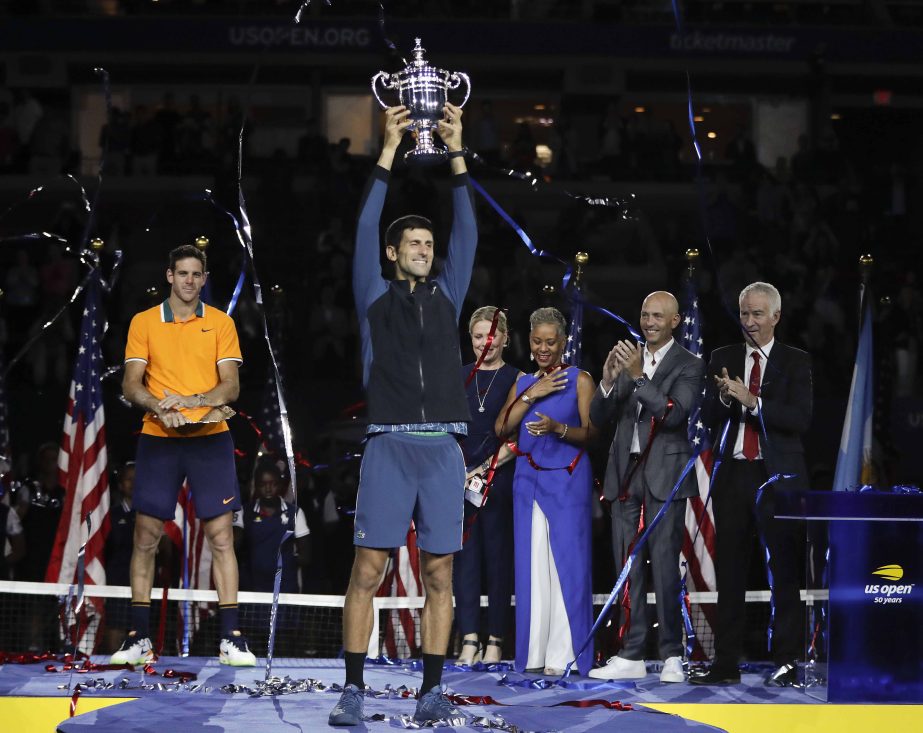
(162, 464)
(416, 477)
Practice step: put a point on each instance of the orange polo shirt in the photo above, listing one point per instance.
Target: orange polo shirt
(183, 357)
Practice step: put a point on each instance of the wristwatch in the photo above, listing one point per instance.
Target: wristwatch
(201, 398)
(528, 400)
(640, 381)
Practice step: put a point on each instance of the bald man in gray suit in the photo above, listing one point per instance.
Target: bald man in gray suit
(637, 384)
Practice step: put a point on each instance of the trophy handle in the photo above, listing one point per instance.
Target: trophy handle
(455, 80)
(386, 83)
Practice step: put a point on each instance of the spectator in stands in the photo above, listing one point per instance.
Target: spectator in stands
(167, 119)
(21, 295)
(313, 150)
(26, 113)
(12, 541)
(9, 140)
(522, 151)
(486, 135)
(741, 153)
(39, 505)
(145, 142)
(50, 145)
(52, 353)
(908, 335)
(802, 162)
(610, 146)
(195, 138)
(118, 554)
(115, 142)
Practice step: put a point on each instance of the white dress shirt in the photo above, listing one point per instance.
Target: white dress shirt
(651, 362)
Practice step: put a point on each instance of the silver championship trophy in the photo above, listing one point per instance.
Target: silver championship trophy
(423, 89)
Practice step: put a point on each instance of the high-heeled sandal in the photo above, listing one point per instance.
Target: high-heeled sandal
(498, 643)
(476, 657)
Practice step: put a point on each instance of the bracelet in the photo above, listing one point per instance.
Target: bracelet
(564, 434)
(457, 153)
(528, 400)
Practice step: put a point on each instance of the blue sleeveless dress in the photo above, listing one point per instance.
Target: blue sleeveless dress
(565, 500)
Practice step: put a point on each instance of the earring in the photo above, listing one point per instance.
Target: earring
(531, 357)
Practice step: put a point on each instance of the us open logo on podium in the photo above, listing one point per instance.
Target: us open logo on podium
(889, 593)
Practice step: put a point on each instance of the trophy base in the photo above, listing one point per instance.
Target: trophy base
(425, 156)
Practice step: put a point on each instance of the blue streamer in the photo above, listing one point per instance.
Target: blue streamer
(772, 595)
(276, 585)
(187, 605)
(629, 562)
(574, 293)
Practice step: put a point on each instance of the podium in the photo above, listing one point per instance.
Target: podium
(865, 635)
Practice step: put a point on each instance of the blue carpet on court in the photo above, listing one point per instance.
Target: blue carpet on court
(528, 702)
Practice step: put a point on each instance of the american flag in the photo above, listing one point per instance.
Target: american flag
(82, 462)
(271, 415)
(402, 579)
(700, 556)
(573, 350)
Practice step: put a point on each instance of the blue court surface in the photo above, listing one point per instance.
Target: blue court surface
(524, 703)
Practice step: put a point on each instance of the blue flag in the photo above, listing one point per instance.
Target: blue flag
(854, 461)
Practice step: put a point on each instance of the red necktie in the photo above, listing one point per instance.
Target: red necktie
(751, 434)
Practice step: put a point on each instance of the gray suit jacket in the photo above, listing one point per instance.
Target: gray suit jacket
(678, 377)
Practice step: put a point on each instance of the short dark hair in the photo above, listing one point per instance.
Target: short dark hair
(396, 229)
(185, 251)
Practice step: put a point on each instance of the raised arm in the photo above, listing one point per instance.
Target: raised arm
(368, 283)
(463, 240)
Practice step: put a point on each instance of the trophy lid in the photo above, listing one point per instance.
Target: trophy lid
(418, 52)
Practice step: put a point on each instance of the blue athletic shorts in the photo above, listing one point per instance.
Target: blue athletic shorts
(162, 464)
(406, 477)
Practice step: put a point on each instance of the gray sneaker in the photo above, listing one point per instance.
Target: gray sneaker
(434, 706)
(348, 710)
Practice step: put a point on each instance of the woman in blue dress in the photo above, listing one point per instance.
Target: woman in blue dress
(548, 411)
(486, 560)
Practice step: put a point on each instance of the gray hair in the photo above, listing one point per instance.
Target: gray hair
(548, 315)
(486, 313)
(770, 291)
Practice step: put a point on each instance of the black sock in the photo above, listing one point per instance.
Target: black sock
(140, 619)
(355, 663)
(432, 671)
(227, 614)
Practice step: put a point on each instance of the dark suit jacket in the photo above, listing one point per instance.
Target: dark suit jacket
(787, 396)
(678, 377)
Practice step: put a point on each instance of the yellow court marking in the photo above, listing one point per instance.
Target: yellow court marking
(820, 718)
(42, 714)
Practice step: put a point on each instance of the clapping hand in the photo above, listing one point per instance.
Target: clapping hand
(729, 389)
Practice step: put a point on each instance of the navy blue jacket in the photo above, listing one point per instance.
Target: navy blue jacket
(410, 350)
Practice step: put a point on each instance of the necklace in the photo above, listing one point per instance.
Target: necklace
(482, 400)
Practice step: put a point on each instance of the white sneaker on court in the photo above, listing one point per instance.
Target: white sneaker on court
(617, 668)
(135, 650)
(234, 651)
(673, 670)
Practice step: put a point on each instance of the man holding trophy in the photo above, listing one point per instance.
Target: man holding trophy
(413, 468)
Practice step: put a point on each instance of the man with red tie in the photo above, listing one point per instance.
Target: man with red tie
(764, 388)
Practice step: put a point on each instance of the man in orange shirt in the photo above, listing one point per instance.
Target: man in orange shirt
(181, 364)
